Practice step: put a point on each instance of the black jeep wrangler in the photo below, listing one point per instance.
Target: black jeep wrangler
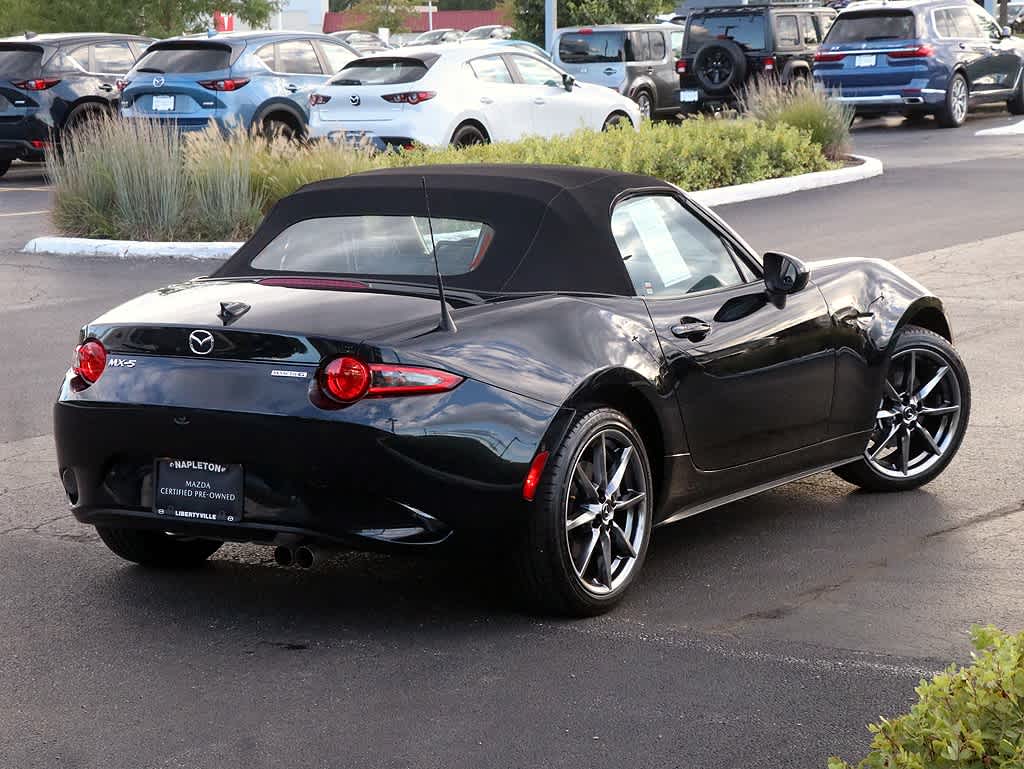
(727, 45)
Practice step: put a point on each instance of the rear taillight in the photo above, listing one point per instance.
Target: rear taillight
(39, 84)
(821, 56)
(921, 52)
(768, 64)
(681, 66)
(121, 84)
(348, 379)
(38, 144)
(227, 84)
(410, 97)
(586, 31)
(90, 360)
(316, 99)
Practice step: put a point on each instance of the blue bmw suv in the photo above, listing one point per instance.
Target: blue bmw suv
(918, 57)
(254, 80)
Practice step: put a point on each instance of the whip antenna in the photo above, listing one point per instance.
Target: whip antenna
(446, 324)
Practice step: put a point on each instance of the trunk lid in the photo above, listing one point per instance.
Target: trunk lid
(357, 92)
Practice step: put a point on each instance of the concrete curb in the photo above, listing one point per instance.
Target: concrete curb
(129, 249)
(771, 188)
(134, 249)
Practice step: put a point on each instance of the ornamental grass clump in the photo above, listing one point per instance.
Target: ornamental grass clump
(802, 106)
(965, 718)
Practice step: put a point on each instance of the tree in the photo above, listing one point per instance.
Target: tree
(393, 14)
(156, 18)
(529, 14)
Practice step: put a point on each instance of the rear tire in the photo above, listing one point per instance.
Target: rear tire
(276, 128)
(953, 111)
(917, 360)
(1016, 104)
(584, 546)
(156, 549)
(467, 135)
(5, 164)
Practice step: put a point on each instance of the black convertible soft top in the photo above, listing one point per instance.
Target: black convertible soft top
(551, 223)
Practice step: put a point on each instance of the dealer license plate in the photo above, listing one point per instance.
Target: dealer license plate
(689, 96)
(865, 60)
(162, 103)
(195, 490)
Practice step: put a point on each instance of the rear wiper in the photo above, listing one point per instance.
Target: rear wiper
(150, 69)
(882, 37)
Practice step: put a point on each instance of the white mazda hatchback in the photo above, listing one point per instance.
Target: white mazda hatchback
(469, 94)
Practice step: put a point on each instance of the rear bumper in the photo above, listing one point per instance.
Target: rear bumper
(406, 475)
(24, 137)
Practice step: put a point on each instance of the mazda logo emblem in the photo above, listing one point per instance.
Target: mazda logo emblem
(200, 342)
(354, 98)
(158, 82)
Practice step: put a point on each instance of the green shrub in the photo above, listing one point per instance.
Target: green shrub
(802, 106)
(135, 179)
(965, 718)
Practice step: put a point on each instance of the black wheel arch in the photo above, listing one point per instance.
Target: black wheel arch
(86, 104)
(282, 109)
(796, 66)
(476, 124)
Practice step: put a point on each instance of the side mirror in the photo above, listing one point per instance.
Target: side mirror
(568, 81)
(1007, 32)
(784, 274)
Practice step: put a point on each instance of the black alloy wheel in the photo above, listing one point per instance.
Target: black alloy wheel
(467, 136)
(587, 535)
(720, 66)
(921, 418)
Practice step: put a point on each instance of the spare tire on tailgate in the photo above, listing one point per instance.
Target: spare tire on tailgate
(720, 66)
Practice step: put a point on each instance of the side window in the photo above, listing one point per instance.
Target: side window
(112, 58)
(266, 55)
(944, 24)
(961, 20)
(824, 23)
(535, 72)
(337, 55)
(75, 60)
(297, 57)
(657, 40)
(667, 250)
(637, 47)
(787, 32)
(490, 69)
(988, 26)
(807, 30)
(677, 44)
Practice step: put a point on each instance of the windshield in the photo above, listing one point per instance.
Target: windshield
(18, 63)
(745, 29)
(205, 58)
(591, 47)
(480, 33)
(877, 25)
(384, 246)
(380, 72)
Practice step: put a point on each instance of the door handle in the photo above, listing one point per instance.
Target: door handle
(106, 87)
(609, 70)
(486, 100)
(963, 46)
(538, 100)
(291, 88)
(691, 328)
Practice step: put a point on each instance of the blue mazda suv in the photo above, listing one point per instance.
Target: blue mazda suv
(918, 57)
(253, 80)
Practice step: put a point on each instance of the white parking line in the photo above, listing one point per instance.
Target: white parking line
(26, 189)
(27, 213)
(1006, 130)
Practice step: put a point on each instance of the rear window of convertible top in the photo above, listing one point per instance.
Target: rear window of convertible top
(374, 245)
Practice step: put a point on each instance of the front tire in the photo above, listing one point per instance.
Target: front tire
(922, 416)
(587, 535)
(646, 105)
(156, 549)
(615, 120)
(953, 112)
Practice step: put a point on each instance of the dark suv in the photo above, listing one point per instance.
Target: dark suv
(728, 45)
(921, 57)
(51, 83)
(637, 60)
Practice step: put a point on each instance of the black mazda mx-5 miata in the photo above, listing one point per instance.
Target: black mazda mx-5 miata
(607, 356)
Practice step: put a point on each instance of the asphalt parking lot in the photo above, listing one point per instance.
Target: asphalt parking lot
(766, 633)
